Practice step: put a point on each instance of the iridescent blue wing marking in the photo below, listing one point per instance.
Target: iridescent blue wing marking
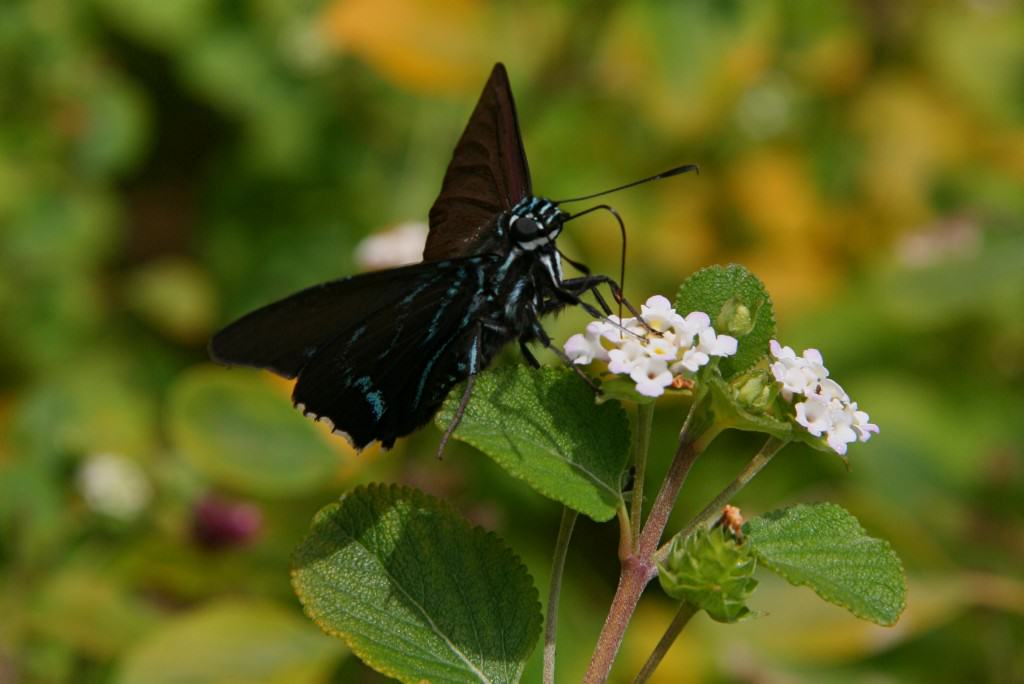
(376, 353)
(487, 175)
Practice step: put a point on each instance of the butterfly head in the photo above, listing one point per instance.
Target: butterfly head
(534, 223)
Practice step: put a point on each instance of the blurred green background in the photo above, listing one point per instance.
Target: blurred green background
(166, 166)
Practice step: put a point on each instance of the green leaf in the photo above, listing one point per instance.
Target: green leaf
(176, 296)
(242, 434)
(544, 426)
(738, 305)
(822, 546)
(415, 591)
(74, 600)
(232, 641)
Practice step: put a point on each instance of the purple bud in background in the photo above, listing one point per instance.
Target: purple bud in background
(219, 523)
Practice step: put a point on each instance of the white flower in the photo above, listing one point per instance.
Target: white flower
(624, 359)
(716, 345)
(114, 485)
(658, 313)
(653, 349)
(793, 378)
(651, 376)
(586, 348)
(580, 350)
(831, 390)
(827, 409)
(861, 424)
(797, 374)
(689, 327)
(663, 347)
(814, 414)
(780, 352)
(840, 432)
(692, 360)
(396, 246)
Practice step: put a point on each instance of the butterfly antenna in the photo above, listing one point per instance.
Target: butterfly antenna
(622, 230)
(685, 168)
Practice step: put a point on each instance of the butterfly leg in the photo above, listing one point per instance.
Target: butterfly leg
(545, 339)
(457, 418)
(460, 410)
(527, 354)
(568, 296)
(590, 284)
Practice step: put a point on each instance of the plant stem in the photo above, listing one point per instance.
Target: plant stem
(644, 419)
(555, 590)
(686, 611)
(714, 509)
(639, 568)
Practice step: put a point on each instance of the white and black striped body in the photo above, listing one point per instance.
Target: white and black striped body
(527, 274)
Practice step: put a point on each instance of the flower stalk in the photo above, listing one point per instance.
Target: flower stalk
(644, 421)
(714, 508)
(555, 591)
(686, 611)
(639, 568)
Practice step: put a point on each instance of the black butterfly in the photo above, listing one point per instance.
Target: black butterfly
(376, 354)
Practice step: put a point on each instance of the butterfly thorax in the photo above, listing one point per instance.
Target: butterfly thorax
(523, 281)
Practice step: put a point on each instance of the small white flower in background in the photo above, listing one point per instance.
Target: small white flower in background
(651, 356)
(114, 485)
(826, 408)
(394, 247)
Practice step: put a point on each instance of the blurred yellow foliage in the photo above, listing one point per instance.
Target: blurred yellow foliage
(421, 45)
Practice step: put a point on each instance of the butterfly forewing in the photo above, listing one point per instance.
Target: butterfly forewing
(283, 336)
(487, 175)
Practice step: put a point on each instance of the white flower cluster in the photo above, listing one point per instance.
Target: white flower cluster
(826, 408)
(652, 355)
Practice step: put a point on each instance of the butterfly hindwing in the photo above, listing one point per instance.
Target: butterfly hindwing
(388, 375)
(487, 175)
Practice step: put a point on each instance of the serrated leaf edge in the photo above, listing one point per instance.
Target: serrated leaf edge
(797, 583)
(416, 496)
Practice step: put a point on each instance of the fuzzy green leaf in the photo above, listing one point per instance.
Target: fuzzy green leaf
(236, 430)
(415, 591)
(822, 546)
(738, 304)
(543, 426)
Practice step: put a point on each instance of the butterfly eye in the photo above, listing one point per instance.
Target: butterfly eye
(524, 229)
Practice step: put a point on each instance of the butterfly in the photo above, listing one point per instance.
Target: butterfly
(376, 354)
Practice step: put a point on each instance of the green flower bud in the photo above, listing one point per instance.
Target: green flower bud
(755, 391)
(711, 570)
(734, 318)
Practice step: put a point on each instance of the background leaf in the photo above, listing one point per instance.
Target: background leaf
(415, 591)
(240, 433)
(544, 426)
(251, 642)
(822, 546)
(717, 288)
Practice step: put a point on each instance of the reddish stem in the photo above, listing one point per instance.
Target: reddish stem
(638, 569)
